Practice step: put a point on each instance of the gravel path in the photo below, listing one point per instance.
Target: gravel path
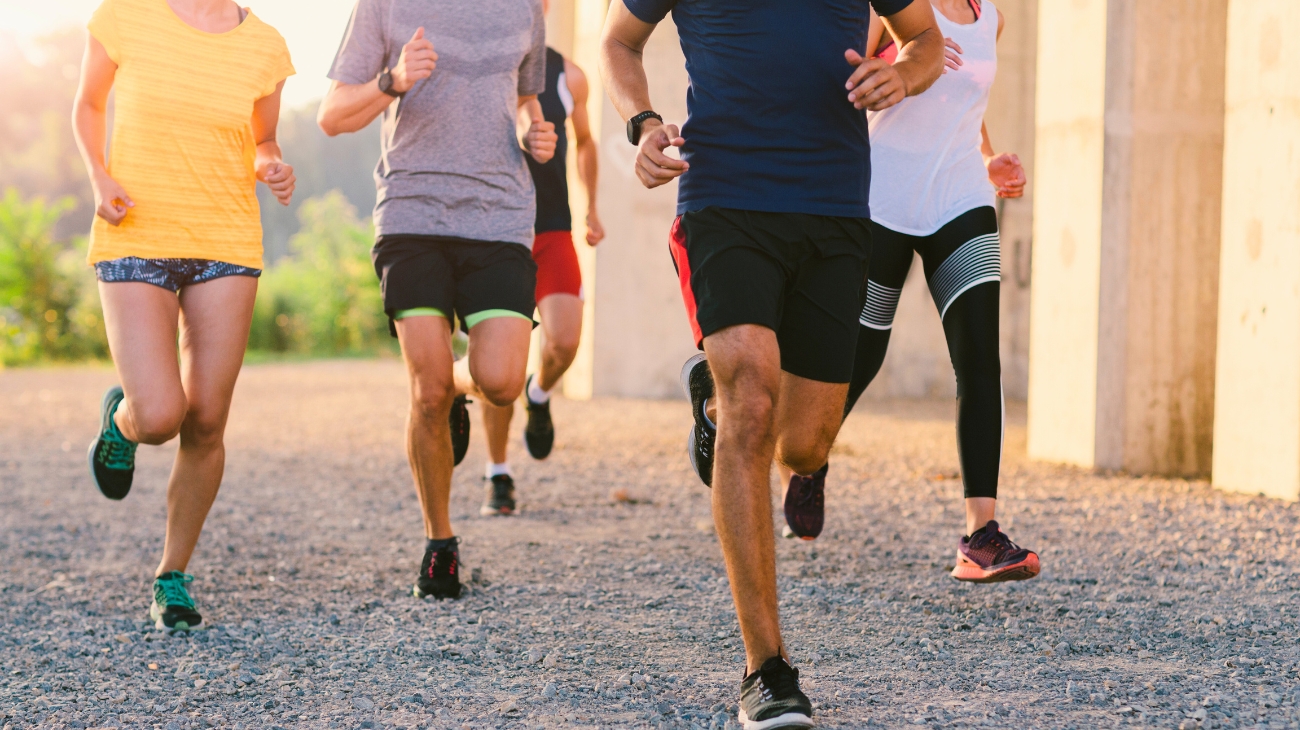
(1161, 604)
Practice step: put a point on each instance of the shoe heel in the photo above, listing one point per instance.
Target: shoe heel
(685, 377)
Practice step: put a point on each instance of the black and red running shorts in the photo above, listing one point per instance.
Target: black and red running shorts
(802, 276)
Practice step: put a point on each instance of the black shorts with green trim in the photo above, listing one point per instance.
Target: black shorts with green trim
(802, 276)
(455, 276)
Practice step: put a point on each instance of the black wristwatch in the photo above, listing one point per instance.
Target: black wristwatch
(386, 84)
(634, 125)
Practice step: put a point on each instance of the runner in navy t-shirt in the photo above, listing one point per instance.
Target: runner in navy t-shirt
(771, 244)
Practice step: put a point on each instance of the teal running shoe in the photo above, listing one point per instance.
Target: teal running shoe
(173, 608)
(112, 455)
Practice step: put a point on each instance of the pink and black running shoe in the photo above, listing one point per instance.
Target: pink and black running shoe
(805, 504)
(989, 556)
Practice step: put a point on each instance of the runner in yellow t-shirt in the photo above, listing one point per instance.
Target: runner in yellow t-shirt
(177, 245)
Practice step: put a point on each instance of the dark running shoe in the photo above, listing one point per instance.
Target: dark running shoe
(500, 497)
(458, 419)
(112, 455)
(539, 434)
(439, 571)
(697, 381)
(805, 504)
(989, 556)
(770, 698)
(173, 608)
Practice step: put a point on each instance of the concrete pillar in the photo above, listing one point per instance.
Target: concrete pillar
(1257, 407)
(1126, 233)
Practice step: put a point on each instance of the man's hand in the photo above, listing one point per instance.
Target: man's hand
(415, 64)
(1006, 172)
(111, 200)
(540, 141)
(279, 178)
(595, 231)
(874, 84)
(653, 167)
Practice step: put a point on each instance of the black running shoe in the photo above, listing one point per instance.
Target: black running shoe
(697, 381)
(805, 504)
(440, 571)
(500, 497)
(770, 698)
(173, 608)
(539, 434)
(112, 455)
(458, 419)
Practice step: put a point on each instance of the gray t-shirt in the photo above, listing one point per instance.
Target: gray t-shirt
(450, 162)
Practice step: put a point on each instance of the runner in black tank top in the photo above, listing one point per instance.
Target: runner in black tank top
(559, 280)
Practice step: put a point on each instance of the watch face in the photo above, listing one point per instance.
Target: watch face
(633, 131)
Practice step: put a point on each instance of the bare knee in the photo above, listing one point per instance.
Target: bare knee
(803, 453)
(205, 425)
(431, 399)
(562, 348)
(156, 420)
(501, 390)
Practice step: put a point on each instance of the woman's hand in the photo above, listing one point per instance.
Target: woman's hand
(111, 200)
(279, 178)
(951, 55)
(1006, 172)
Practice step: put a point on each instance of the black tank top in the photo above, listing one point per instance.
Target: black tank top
(552, 179)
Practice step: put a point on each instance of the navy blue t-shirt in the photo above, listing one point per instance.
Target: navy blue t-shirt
(769, 126)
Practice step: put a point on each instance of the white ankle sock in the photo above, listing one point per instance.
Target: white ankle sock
(495, 470)
(536, 394)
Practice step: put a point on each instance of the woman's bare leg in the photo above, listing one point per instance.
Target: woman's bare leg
(141, 323)
(214, 323)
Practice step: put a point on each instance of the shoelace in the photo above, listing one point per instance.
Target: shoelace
(997, 538)
(173, 588)
(807, 495)
(116, 453)
(780, 682)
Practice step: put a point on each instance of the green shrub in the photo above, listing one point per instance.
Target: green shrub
(49, 302)
(322, 299)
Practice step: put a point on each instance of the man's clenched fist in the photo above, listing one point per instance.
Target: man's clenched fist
(653, 167)
(874, 84)
(540, 141)
(416, 63)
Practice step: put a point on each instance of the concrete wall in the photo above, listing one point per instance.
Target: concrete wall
(1257, 409)
(1127, 232)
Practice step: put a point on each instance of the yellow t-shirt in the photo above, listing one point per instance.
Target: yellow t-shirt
(182, 142)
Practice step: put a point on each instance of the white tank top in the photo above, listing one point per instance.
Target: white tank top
(926, 166)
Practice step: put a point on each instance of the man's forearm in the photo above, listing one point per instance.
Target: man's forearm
(588, 155)
(351, 107)
(625, 79)
(920, 61)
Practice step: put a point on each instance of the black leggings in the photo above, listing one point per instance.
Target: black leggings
(962, 265)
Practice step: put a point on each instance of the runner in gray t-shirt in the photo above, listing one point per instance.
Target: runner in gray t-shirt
(454, 216)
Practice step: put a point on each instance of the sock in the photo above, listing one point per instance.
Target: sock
(497, 470)
(432, 544)
(704, 411)
(536, 394)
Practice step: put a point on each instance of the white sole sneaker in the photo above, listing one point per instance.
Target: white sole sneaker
(685, 377)
(788, 720)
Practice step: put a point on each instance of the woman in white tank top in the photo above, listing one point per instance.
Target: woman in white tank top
(934, 181)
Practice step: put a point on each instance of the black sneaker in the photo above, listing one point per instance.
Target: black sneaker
(770, 698)
(539, 434)
(112, 455)
(500, 497)
(697, 381)
(458, 419)
(173, 608)
(439, 571)
(805, 504)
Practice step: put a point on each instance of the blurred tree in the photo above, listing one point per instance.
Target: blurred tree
(49, 303)
(324, 298)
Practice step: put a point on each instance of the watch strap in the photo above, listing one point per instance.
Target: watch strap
(634, 125)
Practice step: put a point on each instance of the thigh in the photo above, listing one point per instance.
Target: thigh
(215, 317)
(810, 407)
(558, 271)
(498, 352)
(731, 272)
(819, 328)
(962, 255)
(426, 349)
(415, 273)
(891, 260)
(493, 279)
(141, 322)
